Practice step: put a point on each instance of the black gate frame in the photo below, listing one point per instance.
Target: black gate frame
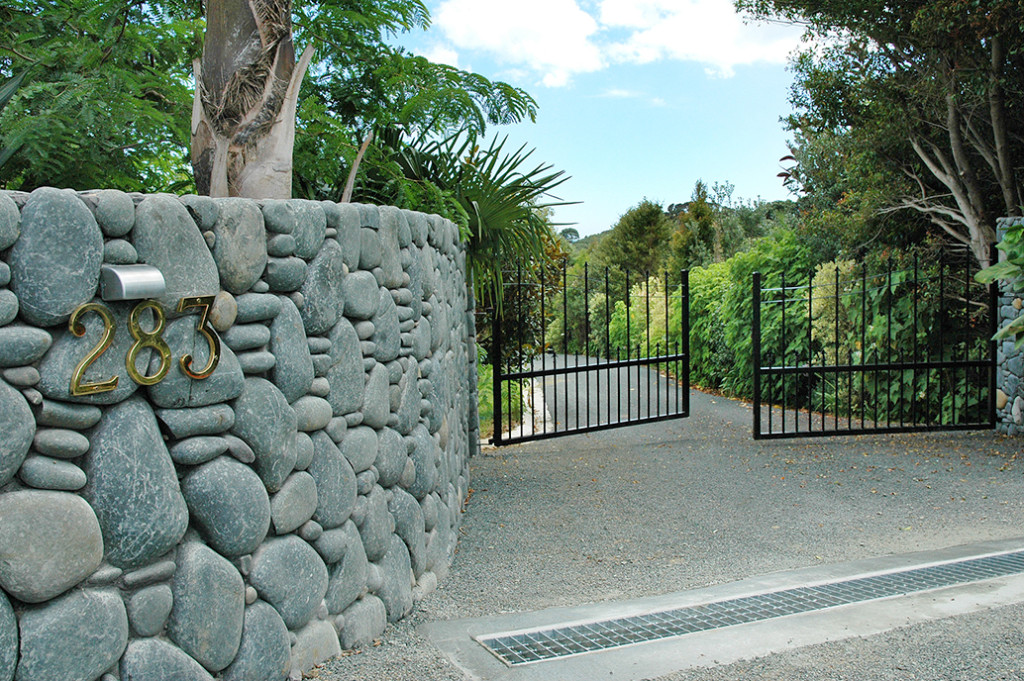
(807, 370)
(634, 359)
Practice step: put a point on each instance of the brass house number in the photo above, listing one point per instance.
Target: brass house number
(152, 338)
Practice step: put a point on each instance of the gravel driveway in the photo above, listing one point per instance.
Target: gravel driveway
(671, 506)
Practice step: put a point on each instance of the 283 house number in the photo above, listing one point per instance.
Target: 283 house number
(152, 338)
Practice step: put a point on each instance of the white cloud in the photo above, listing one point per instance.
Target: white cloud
(550, 37)
(442, 54)
(556, 39)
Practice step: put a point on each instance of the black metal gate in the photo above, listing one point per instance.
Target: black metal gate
(844, 350)
(577, 350)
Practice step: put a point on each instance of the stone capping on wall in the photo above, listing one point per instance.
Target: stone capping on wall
(1009, 362)
(253, 523)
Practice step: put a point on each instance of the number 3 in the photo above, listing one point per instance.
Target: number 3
(203, 328)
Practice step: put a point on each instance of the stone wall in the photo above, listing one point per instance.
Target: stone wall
(1009, 362)
(252, 523)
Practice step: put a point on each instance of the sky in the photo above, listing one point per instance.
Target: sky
(638, 99)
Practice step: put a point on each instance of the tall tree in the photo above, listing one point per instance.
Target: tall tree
(932, 88)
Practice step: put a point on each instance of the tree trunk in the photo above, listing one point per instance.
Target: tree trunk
(997, 110)
(243, 116)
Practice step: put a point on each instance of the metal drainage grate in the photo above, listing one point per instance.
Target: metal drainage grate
(548, 644)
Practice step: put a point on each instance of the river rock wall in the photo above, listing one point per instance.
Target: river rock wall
(1009, 361)
(248, 524)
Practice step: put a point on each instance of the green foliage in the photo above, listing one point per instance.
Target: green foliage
(637, 242)
(1010, 271)
(106, 98)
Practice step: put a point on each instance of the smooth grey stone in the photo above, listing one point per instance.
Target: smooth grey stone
(376, 398)
(411, 527)
(115, 212)
(260, 287)
(322, 290)
(150, 574)
(310, 228)
(42, 472)
(331, 545)
(197, 450)
(209, 606)
(396, 585)
(418, 227)
(321, 367)
(5, 273)
(369, 215)
(319, 345)
(23, 345)
(188, 422)
(22, 377)
(370, 249)
(365, 620)
(337, 428)
(365, 329)
(286, 274)
(376, 526)
(335, 482)
(362, 295)
(312, 413)
(10, 226)
(391, 457)
(294, 504)
(404, 228)
(281, 245)
(239, 449)
(150, 659)
(49, 542)
(332, 212)
(60, 443)
(346, 374)
(55, 264)
(223, 312)
(429, 506)
(360, 447)
(386, 332)
(303, 451)
(167, 237)
(8, 636)
(426, 457)
(242, 337)
(280, 215)
(241, 247)
(266, 422)
(390, 218)
(421, 334)
(290, 575)
(320, 387)
(293, 372)
(229, 505)
(257, 307)
(18, 428)
(349, 574)
(311, 531)
(408, 475)
(250, 598)
(409, 403)
(8, 307)
(265, 650)
(119, 252)
(133, 486)
(149, 608)
(203, 209)
(78, 636)
(315, 643)
(365, 481)
(177, 389)
(348, 226)
(57, 367)
(256, 362)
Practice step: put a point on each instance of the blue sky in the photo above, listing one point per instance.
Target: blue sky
(637, 98)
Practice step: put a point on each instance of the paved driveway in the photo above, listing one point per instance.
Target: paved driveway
(661, 508)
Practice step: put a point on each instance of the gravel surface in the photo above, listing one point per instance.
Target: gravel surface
(684, 504)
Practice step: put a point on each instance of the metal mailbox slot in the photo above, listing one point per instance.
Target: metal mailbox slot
(131, 282)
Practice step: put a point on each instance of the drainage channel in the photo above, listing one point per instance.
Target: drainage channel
(525, 647)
